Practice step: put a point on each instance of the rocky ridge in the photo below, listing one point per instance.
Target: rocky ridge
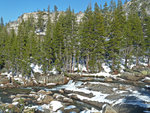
(14, 24)
(140, 5)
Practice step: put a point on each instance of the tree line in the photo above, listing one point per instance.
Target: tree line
(107, 34)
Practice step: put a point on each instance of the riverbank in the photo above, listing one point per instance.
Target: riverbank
(126, 92)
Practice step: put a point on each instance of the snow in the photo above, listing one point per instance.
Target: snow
(19, 79)
(15, 103)
(40, 108)
(131, 66)
(1, 85)
(120, 92)
(146, 78)
(8, 74)
(45, 106)
(51, 84)
(55, 105)
(105, 73)
(120, 101)
(93, 110)
(114, 89)
(81, 68)
(106, 68)
(53, 71)
(147, 86)
(36, 68)
(59, 111)
(40, 97)
(7, 110)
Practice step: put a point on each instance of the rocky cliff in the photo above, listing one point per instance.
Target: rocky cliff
(141, 4)
(14, 25)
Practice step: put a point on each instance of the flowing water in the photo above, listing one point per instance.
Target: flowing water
(136, 95)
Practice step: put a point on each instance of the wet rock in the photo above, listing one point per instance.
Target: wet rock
(128, 108)
(47, 111)
(49, 93)
(47, 99)
(16, 99)
(58, 97)
(4, 92)
(66, 80)
(100, 87)
(22, 95)
(108, 109)
(121, 87)
(4, 80)
(34, 96)
(67, 100)
(115, 96)
(41, 92)
(32, 92)
(94, 103)
(61, 91)
(141, 69)
(108, 79)
(31, 83)
(10, 106)
(73, 96)
(10, 85)
(12, 96)
(146, 81)
(132, 76)
(90, 95)
(71, 110)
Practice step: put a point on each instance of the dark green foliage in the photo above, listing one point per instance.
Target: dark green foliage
(105, 34)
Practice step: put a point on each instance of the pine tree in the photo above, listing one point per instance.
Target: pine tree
(3, 41)
(70, 26)
(99, 40)
(147, 38)
(48, 46)
(127, 47)
(40, 23)
(87, 41)
(2, 22)
(116, 37)
(56, 14)
(136, 34)
(58, 43)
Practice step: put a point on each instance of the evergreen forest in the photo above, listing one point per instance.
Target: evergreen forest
(105, 34)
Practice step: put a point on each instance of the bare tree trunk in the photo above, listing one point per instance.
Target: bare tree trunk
(148, 63)
(66, 63)
(70, 64)
(99, 66)
(126, 61)
(113, 64)
(137, 61)
(87, 63)
(73, 64)
(78, 63)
